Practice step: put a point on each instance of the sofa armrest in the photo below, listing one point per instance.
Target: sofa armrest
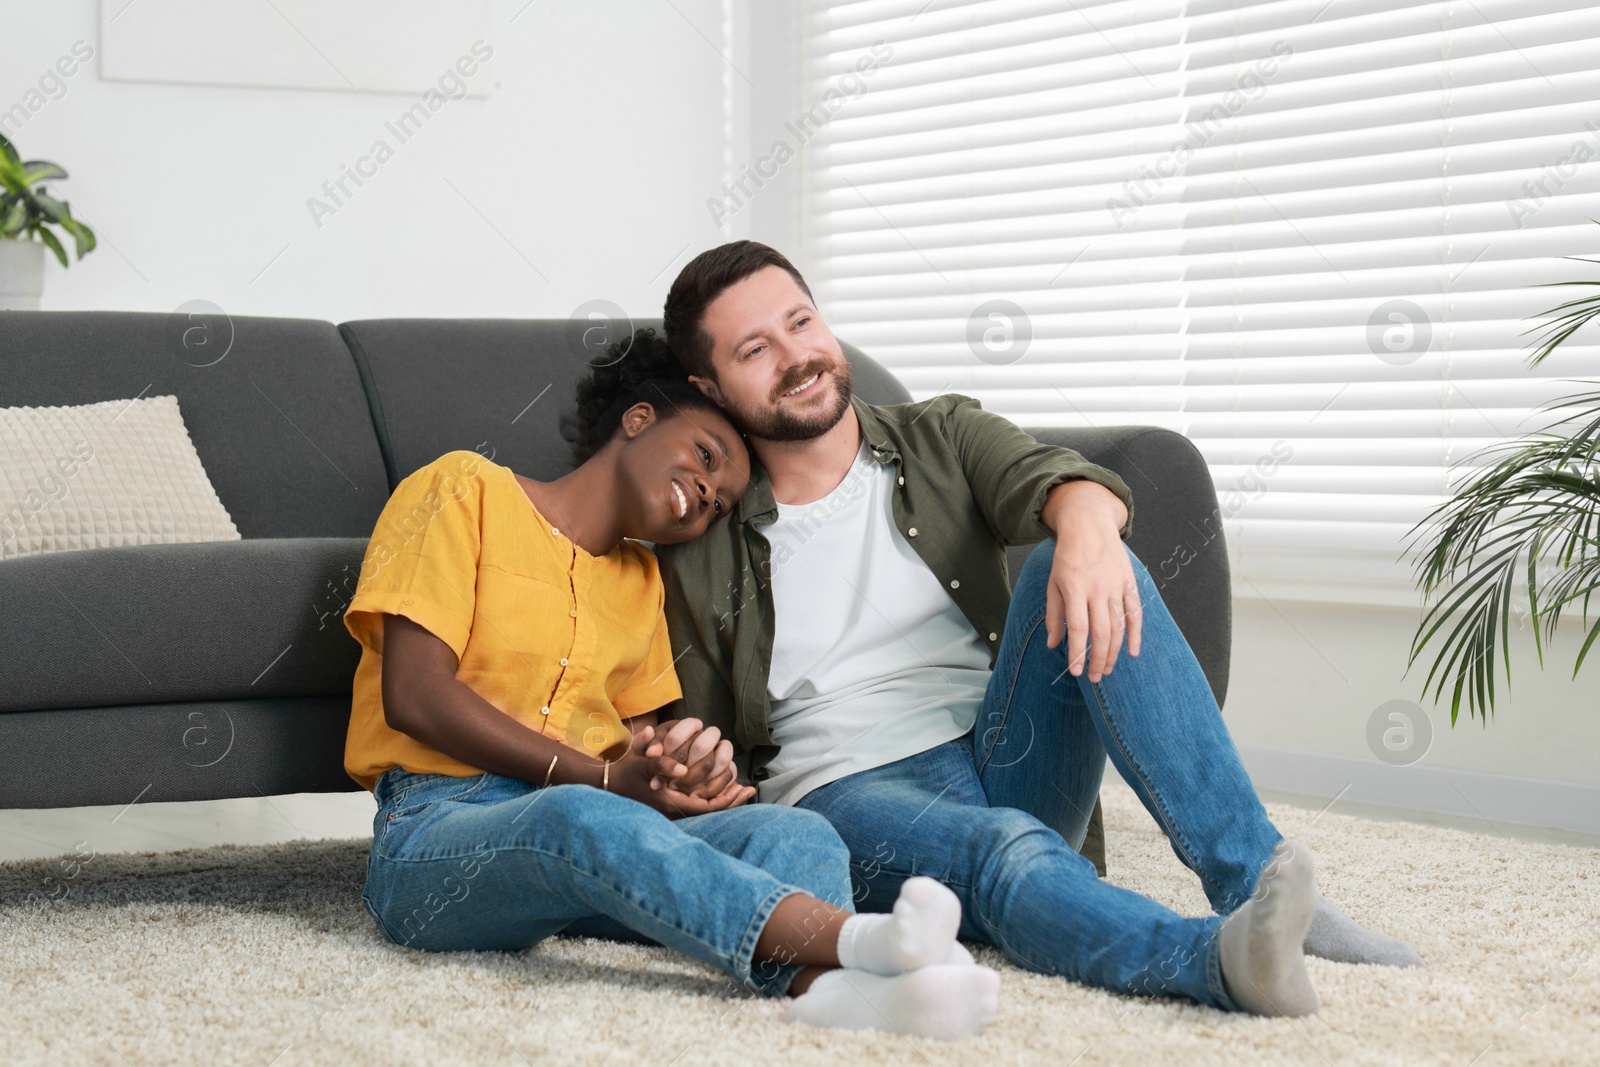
(1177, 531)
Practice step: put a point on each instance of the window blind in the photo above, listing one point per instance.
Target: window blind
(1307, 234)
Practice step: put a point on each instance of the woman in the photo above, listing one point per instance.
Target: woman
(505, 716)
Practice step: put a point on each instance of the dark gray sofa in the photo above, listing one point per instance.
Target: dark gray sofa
(223, 669)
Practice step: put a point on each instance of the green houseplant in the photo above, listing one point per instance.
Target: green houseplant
(27, 214)
(1530, 519)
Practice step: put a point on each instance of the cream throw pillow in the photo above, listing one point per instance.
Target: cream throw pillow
(120, 472)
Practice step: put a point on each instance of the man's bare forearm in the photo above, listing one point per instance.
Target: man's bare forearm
(1080, 498)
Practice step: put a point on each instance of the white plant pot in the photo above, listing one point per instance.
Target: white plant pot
(21, 275)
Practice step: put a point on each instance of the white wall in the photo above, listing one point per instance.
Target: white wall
(1306, 679)
(593, 158)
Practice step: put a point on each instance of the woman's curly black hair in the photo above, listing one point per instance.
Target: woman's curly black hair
(637, 368)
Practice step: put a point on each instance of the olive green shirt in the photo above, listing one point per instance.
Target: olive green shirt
(968, 483)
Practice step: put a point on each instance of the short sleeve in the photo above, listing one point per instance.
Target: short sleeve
(654, 683)
(422, 560)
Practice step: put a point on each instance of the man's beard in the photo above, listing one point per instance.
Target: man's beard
(781, 424)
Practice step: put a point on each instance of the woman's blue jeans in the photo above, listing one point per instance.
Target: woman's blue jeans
(492, 862)
(999, 814)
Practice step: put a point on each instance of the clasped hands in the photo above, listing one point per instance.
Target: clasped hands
(681, 767)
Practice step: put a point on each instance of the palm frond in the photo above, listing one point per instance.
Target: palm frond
(1527, 517)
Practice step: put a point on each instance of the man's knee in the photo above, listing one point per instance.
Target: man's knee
(1035, 571)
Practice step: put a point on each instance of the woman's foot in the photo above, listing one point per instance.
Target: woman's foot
(920, 932)
(1263, 960)
(946, 1000)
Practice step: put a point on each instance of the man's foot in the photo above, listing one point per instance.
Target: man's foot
(918, 933)
(1333, 935)
(1263, 962)
(947, 1001)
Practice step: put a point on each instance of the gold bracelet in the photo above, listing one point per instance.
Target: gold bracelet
(605, 780)
(547, 773)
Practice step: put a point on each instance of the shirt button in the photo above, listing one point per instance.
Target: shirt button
(994, 637)
(955, 583)
(901, 480)
(912, 531)
(555, 531)
(573, 613)
(563, 661)
(408, 600)
(545, 710)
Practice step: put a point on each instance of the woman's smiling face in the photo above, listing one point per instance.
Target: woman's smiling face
(678, 473)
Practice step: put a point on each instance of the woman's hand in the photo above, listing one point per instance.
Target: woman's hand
(657, 780)
(708, 756)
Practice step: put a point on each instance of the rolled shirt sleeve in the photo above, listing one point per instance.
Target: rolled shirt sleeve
(1011, 473)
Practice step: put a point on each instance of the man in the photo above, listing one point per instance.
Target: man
(851, 629)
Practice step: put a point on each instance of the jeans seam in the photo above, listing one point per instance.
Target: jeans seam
(1011, 690)
(1167, 823)
(1214, 970)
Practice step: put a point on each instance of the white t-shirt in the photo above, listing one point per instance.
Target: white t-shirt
(871, 659)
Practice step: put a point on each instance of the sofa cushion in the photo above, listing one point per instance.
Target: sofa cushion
(274, 405)
(207, 621)
(498, 387)
(120, 472)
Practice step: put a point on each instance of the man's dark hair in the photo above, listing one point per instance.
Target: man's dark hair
(704, 279)
(638, 368)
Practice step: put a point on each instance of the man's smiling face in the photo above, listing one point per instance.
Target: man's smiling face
(779, 371)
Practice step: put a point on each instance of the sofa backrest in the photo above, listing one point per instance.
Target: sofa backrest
(274, 405)
(499, 387)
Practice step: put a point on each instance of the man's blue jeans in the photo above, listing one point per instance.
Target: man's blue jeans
(998, 814)
(492, 862)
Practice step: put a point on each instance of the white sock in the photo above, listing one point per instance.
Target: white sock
(947, 1001)
(918, 933)
(1333, 935)
(1263, 962)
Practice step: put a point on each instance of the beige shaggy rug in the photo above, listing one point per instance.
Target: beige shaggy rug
(264, 955)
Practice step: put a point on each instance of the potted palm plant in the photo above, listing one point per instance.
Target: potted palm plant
(27, 213)
(1527, 523)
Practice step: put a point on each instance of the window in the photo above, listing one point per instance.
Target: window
(1304, 233)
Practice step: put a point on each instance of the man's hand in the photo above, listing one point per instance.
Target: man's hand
(676, 805)
(700, 748)
(652, 778)
(1092, 588)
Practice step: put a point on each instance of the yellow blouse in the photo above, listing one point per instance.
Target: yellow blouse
(566, 643)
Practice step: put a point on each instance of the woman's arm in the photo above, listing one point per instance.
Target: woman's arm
(423, 698)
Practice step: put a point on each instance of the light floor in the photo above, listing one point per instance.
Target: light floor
(264, 954)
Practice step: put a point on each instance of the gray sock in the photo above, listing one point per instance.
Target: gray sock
(1333, 935)
(1263, 963)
